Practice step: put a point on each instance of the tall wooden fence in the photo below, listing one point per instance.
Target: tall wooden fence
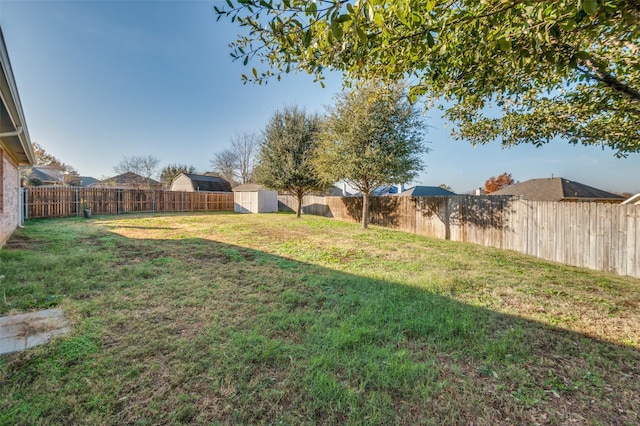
(44, 202)
(599, 236)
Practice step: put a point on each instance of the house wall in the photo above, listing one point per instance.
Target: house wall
(182, 183)
(9, 198)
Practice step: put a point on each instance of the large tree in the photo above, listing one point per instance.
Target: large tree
(143, 165)
(236, 162)
(565, 68)
(285, 158)
(372, 136)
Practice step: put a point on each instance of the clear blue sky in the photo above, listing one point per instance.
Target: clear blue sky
(100, 80)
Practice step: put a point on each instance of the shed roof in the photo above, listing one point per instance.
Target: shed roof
(209, 183)
(426, 191)
(556, 189)
(250, 187)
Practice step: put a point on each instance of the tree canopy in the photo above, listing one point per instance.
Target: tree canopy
(287, 152)
(372, 136)
(565, 68)
(494, 184)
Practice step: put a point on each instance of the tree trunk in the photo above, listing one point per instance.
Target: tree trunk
(299, 196)
(365, 210)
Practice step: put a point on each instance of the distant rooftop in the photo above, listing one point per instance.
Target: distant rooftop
(557, 189)
(426, 191)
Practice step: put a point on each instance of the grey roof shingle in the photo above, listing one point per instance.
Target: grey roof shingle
(556, 189)
(426, 191)
(209, 183)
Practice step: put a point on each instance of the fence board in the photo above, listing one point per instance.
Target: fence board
(71, 201)
(599, 236)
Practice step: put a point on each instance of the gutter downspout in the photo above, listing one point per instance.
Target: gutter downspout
(14, 133)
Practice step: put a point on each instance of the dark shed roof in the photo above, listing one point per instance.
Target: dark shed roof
(209, 183)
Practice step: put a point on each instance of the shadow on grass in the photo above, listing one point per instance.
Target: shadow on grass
(197, 331)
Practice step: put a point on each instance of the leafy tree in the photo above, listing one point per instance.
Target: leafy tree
(285, 158)
(494, 184)
(563, 68)
(170, 171)
(445, 186)
(236, 162)
(143, 165)
(372, 137)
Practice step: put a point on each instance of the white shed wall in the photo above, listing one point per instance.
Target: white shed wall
(262, 201)
(182, 183)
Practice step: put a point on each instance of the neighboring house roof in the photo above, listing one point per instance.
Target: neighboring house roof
(87, 180)
(381, 190)
(557, 189)
(426, 191)
(208, 183)
(250, 187)
(47, 174)
(14, 135)
(128, 179)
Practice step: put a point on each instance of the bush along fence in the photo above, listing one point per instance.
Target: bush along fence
(47, 202)
(598, 236)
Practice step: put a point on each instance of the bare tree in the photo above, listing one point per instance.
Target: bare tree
(224, 164)
(143, 165)
(245, 146)
(236, 162)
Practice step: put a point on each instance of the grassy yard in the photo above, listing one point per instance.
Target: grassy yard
(265, 319)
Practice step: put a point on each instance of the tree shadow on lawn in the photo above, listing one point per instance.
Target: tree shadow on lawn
(197, 331)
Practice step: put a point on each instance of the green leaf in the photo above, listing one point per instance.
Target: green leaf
(430, 5)
(255, 72)
(504, 44)
(361, 34)
(590, 6)
(307, 39)
(336, 29)
(368, 10)
(430, 41)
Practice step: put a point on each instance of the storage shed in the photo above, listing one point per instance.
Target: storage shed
(254, 198)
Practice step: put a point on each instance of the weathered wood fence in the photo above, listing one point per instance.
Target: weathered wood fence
(599, 236)
(44, 202)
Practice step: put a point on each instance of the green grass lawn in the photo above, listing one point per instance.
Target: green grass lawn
(265, 319)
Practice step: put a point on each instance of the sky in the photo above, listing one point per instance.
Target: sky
(101, 80)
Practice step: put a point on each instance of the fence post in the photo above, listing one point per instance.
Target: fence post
(77, 204)
(153, 201)
(182, 201)
(118, 203)
(26, 203)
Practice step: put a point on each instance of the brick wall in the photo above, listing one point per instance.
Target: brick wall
(8, 197)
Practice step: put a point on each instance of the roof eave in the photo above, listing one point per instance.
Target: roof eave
(18, 145)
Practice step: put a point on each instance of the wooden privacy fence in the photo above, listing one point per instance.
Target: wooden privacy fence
(44, 202)
(599, 236)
